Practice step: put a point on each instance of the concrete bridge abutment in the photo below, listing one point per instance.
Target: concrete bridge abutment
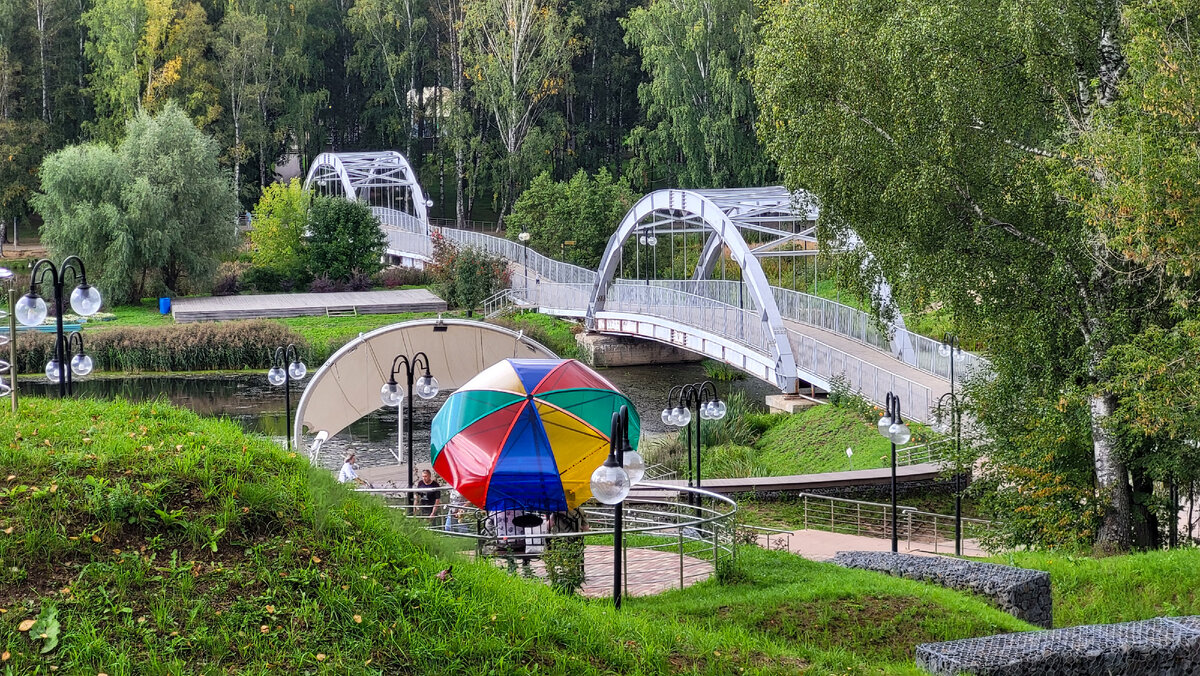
(605, 350)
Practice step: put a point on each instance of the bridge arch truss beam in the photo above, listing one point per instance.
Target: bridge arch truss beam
(381, 179)
(716, 211)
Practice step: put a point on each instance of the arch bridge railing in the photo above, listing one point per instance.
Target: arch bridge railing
(566, 288)
(839, 318)
(819, 360)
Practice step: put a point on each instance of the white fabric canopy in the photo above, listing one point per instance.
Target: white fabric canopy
(347, 386)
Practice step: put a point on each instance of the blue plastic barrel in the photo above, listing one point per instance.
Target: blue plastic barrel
(164, 306)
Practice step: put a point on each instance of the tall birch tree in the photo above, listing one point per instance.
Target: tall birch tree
(517, 55)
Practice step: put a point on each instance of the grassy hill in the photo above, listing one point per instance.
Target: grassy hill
(144, 539)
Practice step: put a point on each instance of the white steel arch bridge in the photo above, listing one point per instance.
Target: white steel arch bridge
(779, 335)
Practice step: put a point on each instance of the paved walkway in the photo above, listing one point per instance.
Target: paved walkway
(805, 482)
(305, 304)
(647, 571)
(872, 355)
(819, 545)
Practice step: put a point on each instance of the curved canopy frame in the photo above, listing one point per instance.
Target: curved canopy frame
(714, 210)
(346, 387)
(381, 179)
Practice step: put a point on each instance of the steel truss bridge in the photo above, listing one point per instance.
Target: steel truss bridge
(779, 335)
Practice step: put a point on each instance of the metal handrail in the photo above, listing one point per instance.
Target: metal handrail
(538, 272)
(696, 524)
(873, 519)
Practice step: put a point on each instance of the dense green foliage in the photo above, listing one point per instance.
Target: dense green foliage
(571, 220)
(344, 239)
(700, 107)
(481, 95)
(465, 277)
(1000, 162)
(280, 220)
(145, 537)
(155, 214)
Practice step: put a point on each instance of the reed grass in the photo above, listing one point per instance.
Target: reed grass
(216, 346)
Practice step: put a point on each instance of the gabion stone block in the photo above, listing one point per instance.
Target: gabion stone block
(1158, 647)
(1021, 592)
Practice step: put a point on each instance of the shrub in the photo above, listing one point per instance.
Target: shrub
(185, 347)
(261, 279)
(359, 281)
(344, 237)
(280, 218)
(466, 277)
(323, 284)
(397, 277)
(226, 280)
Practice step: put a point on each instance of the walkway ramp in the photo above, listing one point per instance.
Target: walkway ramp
(806, 482)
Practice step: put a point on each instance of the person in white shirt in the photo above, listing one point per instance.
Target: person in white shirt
(348, 475)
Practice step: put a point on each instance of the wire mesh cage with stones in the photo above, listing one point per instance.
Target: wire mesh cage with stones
(1162, 646)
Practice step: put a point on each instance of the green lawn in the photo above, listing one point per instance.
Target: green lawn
(809, 441)
(144, 539)
(326, 334)
(1118, 588)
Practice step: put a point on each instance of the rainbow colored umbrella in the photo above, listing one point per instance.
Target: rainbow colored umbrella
(527, 434)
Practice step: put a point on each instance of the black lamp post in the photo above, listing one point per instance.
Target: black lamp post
(611, 483)
(949, 348)
(652, 242)
(81, 364)
(426, 388)
(286, 367)
(31, 309)
(524, 237)
(950, 416)
(703, 398)
(892, 426)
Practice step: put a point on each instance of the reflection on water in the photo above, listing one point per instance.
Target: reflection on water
(259, 408)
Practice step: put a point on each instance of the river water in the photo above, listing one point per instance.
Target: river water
(259, 408)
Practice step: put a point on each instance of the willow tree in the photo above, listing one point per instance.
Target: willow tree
(700, 110)
(517, 54)
(155, 214)
(950, 137)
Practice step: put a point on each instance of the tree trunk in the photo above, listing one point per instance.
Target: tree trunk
(1146, 533)
(41, 28)
(1112, 481)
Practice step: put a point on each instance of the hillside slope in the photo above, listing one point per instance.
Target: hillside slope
(144, 539)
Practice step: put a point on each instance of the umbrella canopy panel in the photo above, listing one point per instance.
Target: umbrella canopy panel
(527, 434)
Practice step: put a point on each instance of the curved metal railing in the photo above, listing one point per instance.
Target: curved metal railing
(719, 306)
(675, 536)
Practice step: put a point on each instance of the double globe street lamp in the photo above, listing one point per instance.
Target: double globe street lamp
(85, 301)
(611, 483)
(81, 363)
(286, 367)
(426, 387)
(702, 397)
(892, 426)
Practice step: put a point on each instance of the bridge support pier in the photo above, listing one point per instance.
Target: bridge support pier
(605, 350)
(789, 403)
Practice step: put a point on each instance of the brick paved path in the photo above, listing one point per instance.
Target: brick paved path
(647, 571)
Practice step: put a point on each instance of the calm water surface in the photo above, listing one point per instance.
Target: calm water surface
(259, 408)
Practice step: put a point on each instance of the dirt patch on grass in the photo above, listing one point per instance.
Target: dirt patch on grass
(885, 627)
